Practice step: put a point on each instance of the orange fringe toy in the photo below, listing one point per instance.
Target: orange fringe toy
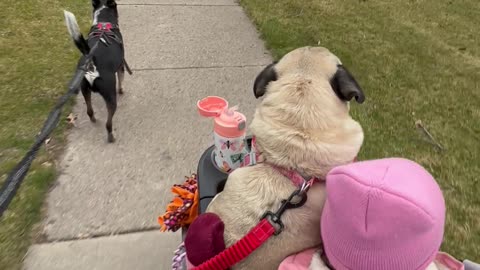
(183, 209)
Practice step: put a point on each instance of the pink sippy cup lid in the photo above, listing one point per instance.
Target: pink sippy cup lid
(211, 106)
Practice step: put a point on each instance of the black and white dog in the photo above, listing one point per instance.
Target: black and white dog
(108, 58)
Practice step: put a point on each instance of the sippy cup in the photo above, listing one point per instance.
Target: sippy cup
(228, 132)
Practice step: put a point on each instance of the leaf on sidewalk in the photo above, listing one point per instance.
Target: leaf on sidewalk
(71, 119)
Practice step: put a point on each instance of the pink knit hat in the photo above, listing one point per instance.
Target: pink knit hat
(382, 214)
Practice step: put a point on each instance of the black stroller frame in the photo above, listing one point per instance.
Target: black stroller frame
(210, 180)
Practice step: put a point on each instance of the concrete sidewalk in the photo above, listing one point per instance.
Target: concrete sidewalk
(102, 212)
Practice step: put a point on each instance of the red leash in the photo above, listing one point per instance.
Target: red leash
(258, 235)
(241, 249)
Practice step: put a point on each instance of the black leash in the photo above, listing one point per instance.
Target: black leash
(16, 176)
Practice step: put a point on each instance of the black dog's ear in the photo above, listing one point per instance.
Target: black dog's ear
(96, 4)
(345, 86)
(267, 75)
(111, 4)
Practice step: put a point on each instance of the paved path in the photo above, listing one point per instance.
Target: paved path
(102, 212)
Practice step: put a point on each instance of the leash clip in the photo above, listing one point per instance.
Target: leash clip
(292, 202)
(306, 185)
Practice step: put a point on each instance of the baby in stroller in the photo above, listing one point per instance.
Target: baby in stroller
(380, 214)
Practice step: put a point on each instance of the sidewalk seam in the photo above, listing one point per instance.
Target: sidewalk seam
(99, 235)
(199, 67)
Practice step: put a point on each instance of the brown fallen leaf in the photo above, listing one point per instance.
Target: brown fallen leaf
(47, 164)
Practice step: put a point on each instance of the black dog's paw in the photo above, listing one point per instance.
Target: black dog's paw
(111, 139)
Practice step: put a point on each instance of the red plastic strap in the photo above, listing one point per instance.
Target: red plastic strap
(241, 249)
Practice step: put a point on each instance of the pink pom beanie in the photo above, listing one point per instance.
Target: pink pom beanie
(382, 214)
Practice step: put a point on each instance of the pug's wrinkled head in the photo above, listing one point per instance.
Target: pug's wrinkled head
(303, 121)
(316, 62)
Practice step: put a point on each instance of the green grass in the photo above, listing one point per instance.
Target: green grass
(416, 60)
(37, 60)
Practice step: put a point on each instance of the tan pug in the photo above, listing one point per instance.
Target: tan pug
(302, 124)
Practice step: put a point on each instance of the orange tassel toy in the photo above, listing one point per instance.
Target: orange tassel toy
(183, 209)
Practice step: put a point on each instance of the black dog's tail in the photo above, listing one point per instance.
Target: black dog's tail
(75, 33)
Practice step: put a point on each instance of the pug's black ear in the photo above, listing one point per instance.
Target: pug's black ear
(267, 75)
(345, 86)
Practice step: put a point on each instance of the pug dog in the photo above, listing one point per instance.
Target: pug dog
(302, 125)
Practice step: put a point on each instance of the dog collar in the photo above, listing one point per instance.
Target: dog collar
(106, 26)
(297, 179)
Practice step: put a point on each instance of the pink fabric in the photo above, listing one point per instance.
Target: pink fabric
(303, 261)
(448, 261)
(298, 261)
(382, 214)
